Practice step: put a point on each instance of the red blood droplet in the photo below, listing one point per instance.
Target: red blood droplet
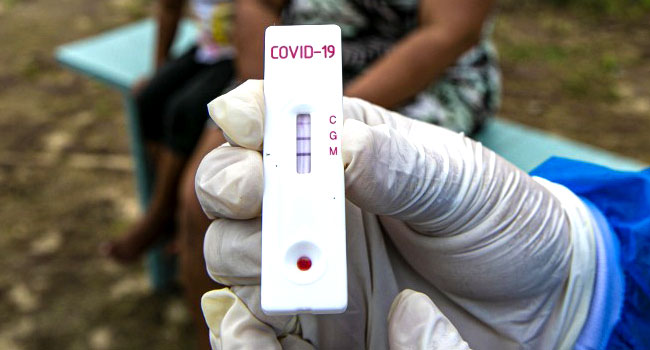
(304, 263)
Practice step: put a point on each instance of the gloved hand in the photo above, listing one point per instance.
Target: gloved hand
(414, 322)
(507, 258)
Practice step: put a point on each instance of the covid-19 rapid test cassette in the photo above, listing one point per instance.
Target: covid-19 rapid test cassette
(303, 211)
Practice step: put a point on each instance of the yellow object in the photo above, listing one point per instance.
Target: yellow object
(222, 19)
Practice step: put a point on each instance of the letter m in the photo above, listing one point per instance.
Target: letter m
(334, 151)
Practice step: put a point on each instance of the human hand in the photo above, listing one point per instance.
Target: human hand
(500, 253)
(414, 322)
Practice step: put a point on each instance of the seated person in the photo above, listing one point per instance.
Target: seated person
(173, 115)
(171, 108)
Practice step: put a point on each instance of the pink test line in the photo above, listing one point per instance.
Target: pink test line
(303, 143)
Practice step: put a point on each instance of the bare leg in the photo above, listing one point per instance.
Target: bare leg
(158, 220)
(153, 150)
(192, 226)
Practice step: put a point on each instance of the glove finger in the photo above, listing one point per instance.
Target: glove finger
(386, 173)
(233, 250)
(414, 322)
(240, 114)
(294, 342)
(251, 296)
(228, 183)
(232, 325)
(407, 174)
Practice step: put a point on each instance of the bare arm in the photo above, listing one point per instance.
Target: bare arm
(447, 29)
(251, 19)
(168, 15)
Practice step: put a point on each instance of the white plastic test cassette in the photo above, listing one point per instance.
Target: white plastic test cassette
(303, 210)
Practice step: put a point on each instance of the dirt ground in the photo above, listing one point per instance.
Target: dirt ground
(66, 180)
(579, 75)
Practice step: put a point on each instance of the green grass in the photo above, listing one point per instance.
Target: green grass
(581, 75)
(612, 7)
(527, 52)
(586, 82)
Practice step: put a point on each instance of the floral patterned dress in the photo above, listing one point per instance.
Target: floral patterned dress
(461, 99)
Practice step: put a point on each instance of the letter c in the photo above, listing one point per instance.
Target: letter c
(274, 56)
(334, 119)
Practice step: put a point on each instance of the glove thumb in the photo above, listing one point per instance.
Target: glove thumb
(414, 322)
(232, 325)
(386, 173)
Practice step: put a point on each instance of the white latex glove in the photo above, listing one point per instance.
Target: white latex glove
(507, 258)
(414, 322)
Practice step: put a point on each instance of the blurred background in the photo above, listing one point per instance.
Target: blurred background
(577, 68)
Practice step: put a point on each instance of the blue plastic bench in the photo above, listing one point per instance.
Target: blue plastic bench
(527, 147)
(122, 55)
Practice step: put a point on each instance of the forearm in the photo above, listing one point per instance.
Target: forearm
(447, 29)
(410, 66)
(251, 19)
(168, 15)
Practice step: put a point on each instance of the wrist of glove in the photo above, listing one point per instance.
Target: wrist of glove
(497, 244)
